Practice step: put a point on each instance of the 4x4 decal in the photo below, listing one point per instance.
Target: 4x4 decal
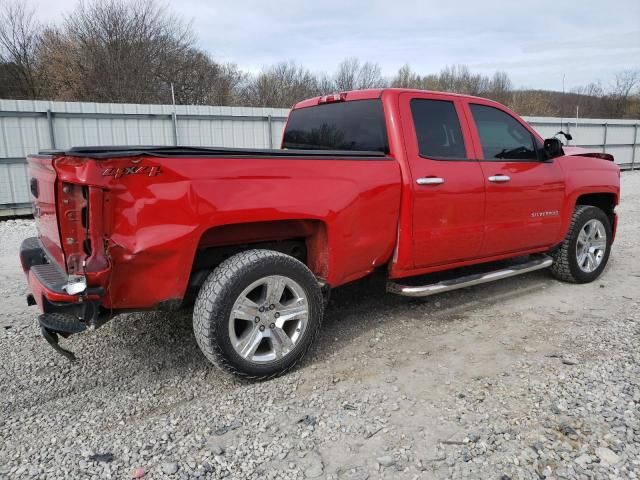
(118, 172)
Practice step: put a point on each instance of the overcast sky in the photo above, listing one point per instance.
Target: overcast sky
(534, 42)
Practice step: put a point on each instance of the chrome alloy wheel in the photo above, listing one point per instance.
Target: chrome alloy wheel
(591, 245)
(268, 319)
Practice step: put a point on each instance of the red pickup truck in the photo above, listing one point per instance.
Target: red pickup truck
(408, 181)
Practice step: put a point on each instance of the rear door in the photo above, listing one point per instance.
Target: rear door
(448, 185)
(524, 193)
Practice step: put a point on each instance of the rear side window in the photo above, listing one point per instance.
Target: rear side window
(437, 129)
(502, 137)
(355, 125)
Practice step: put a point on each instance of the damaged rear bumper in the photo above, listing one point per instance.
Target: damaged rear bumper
(52, 290)
(69, 306)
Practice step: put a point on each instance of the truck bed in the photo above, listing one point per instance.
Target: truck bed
(160, 207)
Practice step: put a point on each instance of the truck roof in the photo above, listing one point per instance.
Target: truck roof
(371, 93)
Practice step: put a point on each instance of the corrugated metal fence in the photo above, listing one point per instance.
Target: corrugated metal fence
(30, 126)
(620, 138)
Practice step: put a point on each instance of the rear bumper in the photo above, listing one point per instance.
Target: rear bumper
(48, 283)
(63, 313)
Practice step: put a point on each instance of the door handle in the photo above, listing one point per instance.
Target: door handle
(430, 181)
(500, 178)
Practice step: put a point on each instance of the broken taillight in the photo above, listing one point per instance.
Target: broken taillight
(73, 220)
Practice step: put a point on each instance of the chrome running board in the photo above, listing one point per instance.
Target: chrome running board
(538, 263)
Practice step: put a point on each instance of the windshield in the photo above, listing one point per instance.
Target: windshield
(355, 125)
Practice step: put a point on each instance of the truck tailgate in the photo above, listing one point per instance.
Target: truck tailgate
(42, 182)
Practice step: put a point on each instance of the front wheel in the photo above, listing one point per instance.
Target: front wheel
(258, 313)
(584, 253)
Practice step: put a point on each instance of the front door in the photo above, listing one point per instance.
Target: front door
(524, 193)
(448, 185)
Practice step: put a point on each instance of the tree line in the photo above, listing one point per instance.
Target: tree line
(134, 51)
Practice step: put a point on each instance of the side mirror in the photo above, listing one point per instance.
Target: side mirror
(553, 148)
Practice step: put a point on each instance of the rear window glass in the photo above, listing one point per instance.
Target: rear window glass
(355, 125)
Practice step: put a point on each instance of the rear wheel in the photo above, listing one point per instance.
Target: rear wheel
(583, 255)
(258, 313)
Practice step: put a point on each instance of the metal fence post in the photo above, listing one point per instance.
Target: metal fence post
(270, 125)
(52, 135)
(633, 149)
(604, 141)
(569, 132)
(174, 120)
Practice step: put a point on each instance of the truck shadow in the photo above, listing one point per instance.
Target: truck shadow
(164, 343)
(360, 308)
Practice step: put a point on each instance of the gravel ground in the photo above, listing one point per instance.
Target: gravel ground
(521, 379)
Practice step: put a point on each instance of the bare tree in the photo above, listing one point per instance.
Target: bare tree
(370, 76)
(407, 78)
(533, 102)
(19, 43)
(281, 85)
(118, 51)
(500, 87)
(633, 110)
(228, 84)
(458, 78)
(626, 84)
(346, 76)
(56, 56)
(593, 89)
(326, 84)
(431, 82)
(353, 75)
(588, 100)
(199, 80)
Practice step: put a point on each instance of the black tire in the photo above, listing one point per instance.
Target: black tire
(565, 263)
(217, 297)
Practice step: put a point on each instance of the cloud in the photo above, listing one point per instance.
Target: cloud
(534, 43)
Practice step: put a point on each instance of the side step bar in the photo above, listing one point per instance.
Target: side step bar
(538, 263)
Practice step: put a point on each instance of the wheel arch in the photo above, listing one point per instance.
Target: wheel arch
(303, 239)
(605, 201)
(604, 198)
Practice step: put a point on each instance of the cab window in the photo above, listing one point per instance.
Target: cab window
(502, 137)
(437, 129)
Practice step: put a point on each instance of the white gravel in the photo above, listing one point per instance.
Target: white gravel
(521, 379)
